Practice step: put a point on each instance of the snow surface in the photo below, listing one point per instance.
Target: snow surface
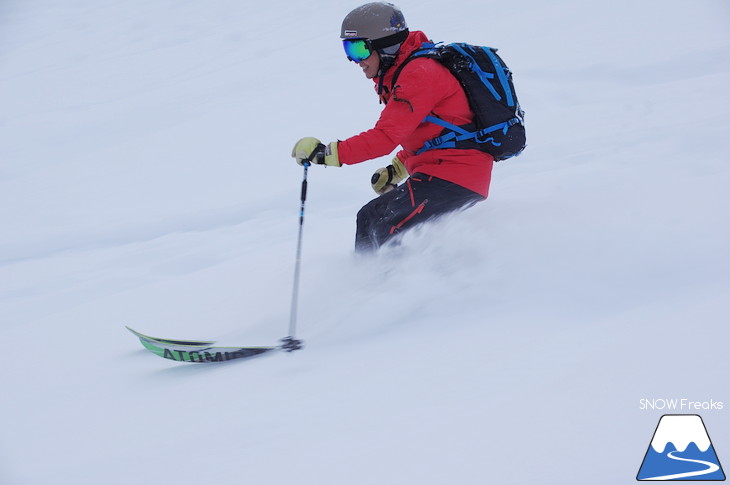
(145, 180)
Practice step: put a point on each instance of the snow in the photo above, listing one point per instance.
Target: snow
(681, 431)
(145, 180)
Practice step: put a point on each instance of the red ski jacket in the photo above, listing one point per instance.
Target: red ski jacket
(424, 87)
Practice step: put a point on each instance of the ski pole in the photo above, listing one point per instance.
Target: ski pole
(290, 343)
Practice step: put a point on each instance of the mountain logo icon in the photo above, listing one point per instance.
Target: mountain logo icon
(680, 450)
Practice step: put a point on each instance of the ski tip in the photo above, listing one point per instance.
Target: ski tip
(136, 333)
(187, 343)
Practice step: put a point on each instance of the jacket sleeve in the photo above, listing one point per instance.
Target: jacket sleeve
(403, 155)
(420, 86)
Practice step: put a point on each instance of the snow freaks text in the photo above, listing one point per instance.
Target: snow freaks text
(683, 405)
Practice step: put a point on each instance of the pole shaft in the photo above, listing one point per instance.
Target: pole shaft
(298, 261)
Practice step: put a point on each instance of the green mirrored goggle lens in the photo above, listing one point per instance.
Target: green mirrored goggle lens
(356, 49)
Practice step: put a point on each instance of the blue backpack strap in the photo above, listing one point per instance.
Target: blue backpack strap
(446, 124)
(501, 75)
(446, 140)
(503, 127)
(426, 49)
(457, 133)
(484, 76)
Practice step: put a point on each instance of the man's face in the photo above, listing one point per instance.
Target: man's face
(371, 65)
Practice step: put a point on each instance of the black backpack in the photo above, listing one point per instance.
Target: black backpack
(498, 127)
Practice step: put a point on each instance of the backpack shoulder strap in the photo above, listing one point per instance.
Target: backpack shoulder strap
(427, 50)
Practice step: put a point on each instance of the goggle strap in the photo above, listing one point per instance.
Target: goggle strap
(397, 38)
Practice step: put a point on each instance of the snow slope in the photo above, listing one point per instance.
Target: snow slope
(145, 180)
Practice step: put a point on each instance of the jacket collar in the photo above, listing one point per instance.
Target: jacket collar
(382, 84)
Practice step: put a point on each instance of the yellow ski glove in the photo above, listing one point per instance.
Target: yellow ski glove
(387, 178)
(312, 150)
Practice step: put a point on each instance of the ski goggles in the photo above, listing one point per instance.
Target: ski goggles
(357, 50)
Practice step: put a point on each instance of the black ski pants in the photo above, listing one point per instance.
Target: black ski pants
(420, 198)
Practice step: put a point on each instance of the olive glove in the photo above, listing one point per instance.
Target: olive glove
(312, 150)
(387, 178)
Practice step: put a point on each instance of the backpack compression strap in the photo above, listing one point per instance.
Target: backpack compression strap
(484, 76)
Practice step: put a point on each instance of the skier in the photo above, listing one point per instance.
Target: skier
(376, 37)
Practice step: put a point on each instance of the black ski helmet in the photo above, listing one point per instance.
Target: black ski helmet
(381, 23)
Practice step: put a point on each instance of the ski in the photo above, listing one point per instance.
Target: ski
(199, 351)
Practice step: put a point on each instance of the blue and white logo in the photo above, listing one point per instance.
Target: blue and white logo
(681, 450)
